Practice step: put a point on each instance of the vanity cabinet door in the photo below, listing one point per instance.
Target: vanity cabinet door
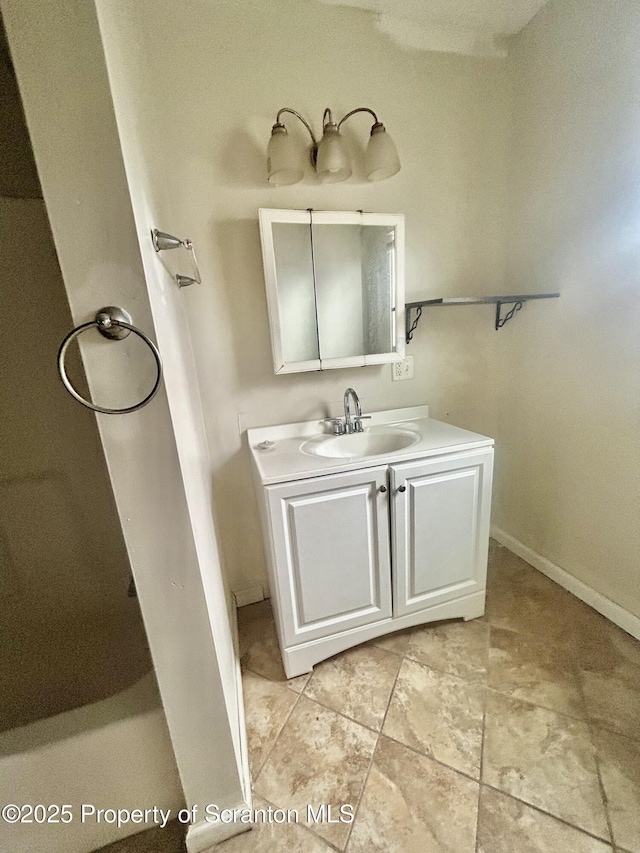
(440, 528)
(331, 555)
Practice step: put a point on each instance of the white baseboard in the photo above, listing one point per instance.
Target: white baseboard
(202, 836)
(616, 614)
(242, 726)
(248, 595)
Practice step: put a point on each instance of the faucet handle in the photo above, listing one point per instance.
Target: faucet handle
(337, 426)
(357, 422)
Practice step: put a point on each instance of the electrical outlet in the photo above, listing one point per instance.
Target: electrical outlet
(401, 370)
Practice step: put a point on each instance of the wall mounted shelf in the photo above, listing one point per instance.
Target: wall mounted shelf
(515, 301)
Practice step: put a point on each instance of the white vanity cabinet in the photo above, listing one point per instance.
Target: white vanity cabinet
(360, 553)
(440, 521)
(331, 553)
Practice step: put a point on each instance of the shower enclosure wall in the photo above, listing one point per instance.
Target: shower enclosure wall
(77, 689)
(69, 632)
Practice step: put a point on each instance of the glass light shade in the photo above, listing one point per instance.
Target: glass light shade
(284, 163)
(381, 158)
(332, 164)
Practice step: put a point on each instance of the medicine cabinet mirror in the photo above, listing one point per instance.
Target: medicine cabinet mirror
(335, 288)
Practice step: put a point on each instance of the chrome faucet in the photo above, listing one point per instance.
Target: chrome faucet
(353, 423)
(349, 426)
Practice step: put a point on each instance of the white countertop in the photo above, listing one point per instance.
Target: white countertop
(286, 461)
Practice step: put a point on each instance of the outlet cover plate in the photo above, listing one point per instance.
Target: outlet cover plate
(401, 370)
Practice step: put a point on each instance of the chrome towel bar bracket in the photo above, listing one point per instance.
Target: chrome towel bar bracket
(163, 241)
(113, 323)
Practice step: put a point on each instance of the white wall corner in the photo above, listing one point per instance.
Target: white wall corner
(242, 725)
(616, 614)
(249, 595)
(205, 835)
(409, 34)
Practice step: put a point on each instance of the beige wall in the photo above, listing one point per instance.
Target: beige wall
(533, 155)
(201, 83)
(567, 426)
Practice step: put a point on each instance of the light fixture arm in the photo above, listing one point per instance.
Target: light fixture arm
(327, 118)
(304, 122)
(353, 112)
(329, 155)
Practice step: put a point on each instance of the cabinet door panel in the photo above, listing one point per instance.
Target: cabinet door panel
(331, 550)
(441, 529)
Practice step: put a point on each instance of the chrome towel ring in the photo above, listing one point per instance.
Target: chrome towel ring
(113, 323)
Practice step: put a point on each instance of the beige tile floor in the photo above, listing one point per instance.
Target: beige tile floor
(515, 733)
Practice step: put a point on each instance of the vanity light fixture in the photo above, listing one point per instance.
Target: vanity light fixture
(329, 157)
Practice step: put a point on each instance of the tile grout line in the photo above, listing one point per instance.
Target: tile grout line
(306, 828)
(275, 740)
(588, 718)
(600, 724)
(485, 684)
(426, 627)
(342, 714)
(384, 648)
(547, 813)
(468, 678)
(498, 790)
(596, 758)
(376, 732)
(592, 724)
(585, 721)
(433, 758)
(484, 727)
(572, 654)
(578, 671)
(321, 704)
(273, 745)
(509, 696)
(373, 753)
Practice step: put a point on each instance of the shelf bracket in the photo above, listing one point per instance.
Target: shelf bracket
(516, 302)
(500, 321)
(412, 326)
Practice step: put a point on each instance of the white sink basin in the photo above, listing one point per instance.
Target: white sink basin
(375, 441)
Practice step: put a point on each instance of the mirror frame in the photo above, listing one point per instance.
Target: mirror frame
(269, 216)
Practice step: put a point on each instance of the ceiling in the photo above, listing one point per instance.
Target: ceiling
(460, 26)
